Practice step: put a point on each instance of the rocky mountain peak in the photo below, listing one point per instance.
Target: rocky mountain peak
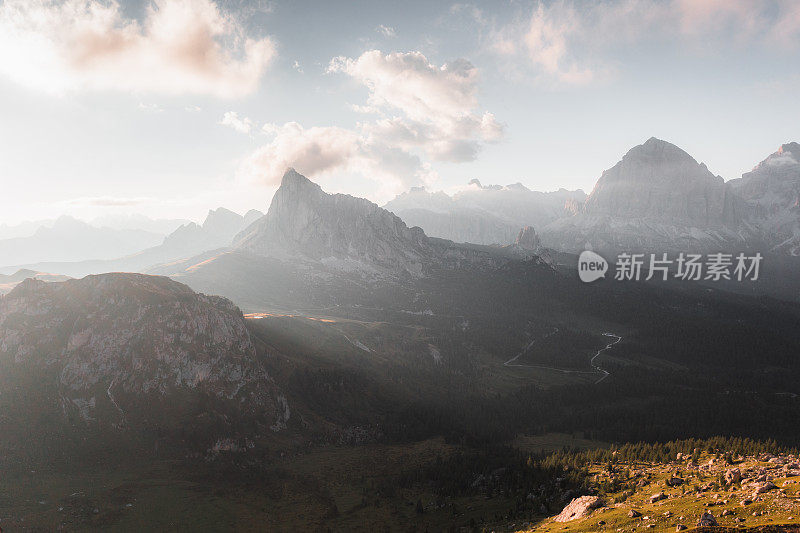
(792, 149)
(343, 232)
(659, 181)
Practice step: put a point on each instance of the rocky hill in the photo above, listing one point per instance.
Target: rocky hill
(693, 492)
(132, 351)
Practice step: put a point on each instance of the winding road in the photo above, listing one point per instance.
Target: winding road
(595, 368)
(606, 373)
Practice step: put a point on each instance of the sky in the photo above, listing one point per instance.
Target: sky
(172, 107)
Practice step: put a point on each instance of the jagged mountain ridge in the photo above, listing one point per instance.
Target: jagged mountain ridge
(217, 231)
(350, 234)
(481, 214)
(304, 222)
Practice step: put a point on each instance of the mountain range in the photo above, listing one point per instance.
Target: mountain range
(69, 239)
(218, 229)
(481, 214)
(374, 367)
(657, 198)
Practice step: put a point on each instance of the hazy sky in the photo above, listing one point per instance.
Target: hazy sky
(172, 107)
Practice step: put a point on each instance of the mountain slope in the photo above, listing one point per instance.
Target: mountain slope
(305, 223)
(135, 351)
(657, 198)
(72, 240)
(217, 231)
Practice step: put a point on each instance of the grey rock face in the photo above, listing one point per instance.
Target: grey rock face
(304, 222)
(657, 198)
(343, 233)
(771, 192)
(660, 182)
(135, 337)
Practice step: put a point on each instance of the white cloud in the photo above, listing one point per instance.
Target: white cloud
(423, 110)
(438, 103)
(386, 31)
(179, 46)
(566, 42)
(321, 151)
(232, 120)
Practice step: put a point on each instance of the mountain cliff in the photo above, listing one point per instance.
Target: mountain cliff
(341, 231)
(771, 192)
(132, 350)
(656, 198)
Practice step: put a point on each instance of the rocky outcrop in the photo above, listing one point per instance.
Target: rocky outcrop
(527, 239)
(579, 508)
(129, 343)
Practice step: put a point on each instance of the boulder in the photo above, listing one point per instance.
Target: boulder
(633, 513)
(707, 519)
(658, 497)
(579, 508)
(733, 475)
(765, 487)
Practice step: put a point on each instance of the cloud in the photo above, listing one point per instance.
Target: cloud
(320, 151)
(567, 42)
(437, 104)
(178, 47)
(386, 31)
(242, 125)
(422, 111)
